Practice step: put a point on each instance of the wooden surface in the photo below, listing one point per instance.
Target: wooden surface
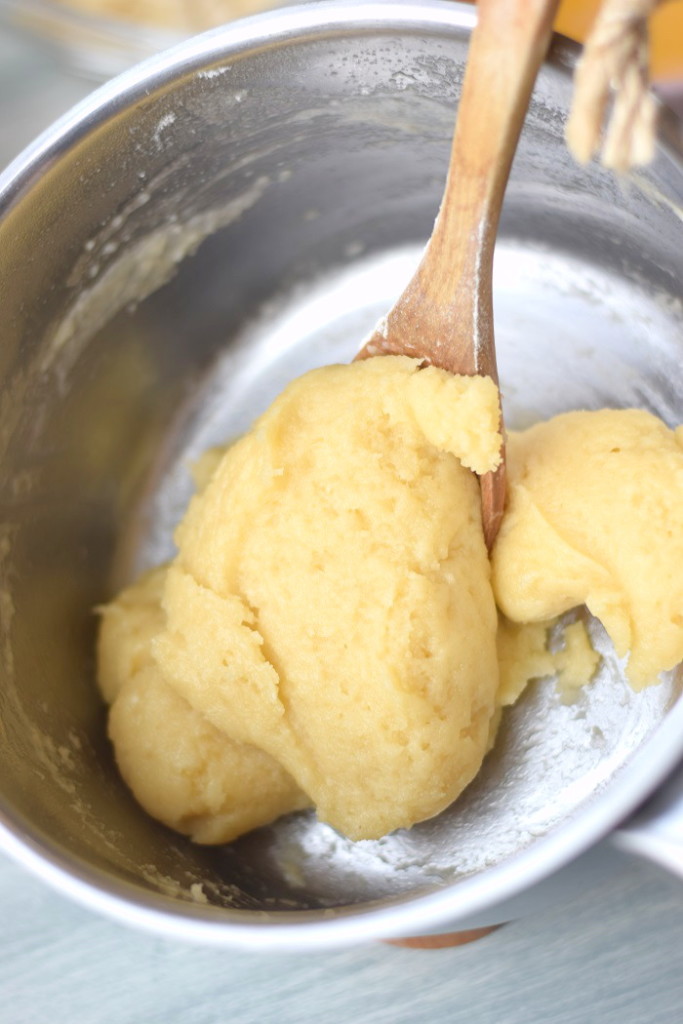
(612, 956)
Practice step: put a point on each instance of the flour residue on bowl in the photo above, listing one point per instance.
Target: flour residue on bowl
(145, 266)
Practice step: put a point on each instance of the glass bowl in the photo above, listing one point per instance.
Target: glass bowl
(100, 38)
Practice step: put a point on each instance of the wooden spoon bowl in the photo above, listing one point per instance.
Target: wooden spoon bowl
(445, 314)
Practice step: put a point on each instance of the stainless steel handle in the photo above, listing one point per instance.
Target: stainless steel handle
(655, 832)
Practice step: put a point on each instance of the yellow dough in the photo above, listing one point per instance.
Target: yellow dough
(576, 663)
(329, 584)
(182, 770)
(330, 603)
(595, 517)
(524, 655)
(327, 633)
(127, 627)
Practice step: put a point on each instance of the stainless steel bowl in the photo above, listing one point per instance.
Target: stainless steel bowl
(174, 251)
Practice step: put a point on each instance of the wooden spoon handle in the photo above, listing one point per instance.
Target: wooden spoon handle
(445, 315)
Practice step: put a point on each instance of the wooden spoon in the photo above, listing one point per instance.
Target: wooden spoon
(445, 314)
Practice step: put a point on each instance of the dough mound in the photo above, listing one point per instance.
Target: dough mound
(330, 602)
(330, 606)
(595, 516)
(181, 769)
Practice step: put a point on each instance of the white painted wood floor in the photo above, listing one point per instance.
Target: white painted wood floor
(614, 956)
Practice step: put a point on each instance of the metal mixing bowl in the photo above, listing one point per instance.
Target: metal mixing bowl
(172, 252)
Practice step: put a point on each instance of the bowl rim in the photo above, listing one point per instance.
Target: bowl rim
(407, 915)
